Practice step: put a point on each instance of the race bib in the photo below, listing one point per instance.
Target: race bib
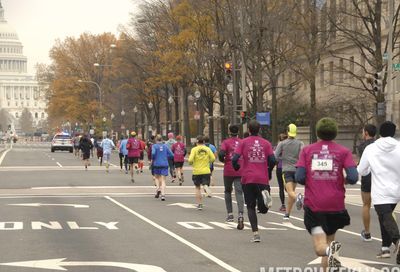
(322, 165)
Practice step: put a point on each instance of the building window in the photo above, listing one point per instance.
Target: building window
(8, 104)
(351, 65)
(16, 115)
(42, 115)
(322, 76)
(331, 72)
(36, 115)
(341, 70)
(16, 103)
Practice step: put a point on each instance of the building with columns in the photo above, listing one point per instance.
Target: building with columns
(18, 89)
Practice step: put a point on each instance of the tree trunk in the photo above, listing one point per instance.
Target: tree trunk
(177, 117)
(274, 111)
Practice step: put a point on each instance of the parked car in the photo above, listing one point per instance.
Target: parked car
(62, 141)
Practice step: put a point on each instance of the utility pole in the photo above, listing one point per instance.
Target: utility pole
(243, 68)
(235, 88)
(390, 98)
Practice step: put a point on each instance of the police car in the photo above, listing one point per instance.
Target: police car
(62, 141)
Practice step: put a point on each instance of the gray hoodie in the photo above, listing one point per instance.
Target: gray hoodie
(288, 151)
(382, 160)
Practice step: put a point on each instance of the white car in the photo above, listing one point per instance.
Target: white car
(62, 141)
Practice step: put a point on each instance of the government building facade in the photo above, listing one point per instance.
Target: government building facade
(18, 89)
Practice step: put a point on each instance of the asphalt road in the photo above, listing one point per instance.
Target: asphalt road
(57, 216)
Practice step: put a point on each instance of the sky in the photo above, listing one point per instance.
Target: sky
(39, 23)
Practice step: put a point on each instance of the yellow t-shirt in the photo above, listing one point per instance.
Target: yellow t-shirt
(200, 157)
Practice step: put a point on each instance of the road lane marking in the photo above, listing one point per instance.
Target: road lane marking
(176, 236)
(59, 164)
(59, 264)
(301, 219)
(4, 155)
(77, 206)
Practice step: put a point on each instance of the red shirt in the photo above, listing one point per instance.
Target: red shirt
(255, 152)
(324, 162)
(229, 145)
(178, 149)
(133, 147)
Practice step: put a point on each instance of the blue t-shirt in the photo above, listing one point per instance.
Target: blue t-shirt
(122, 147)
(160, 154)
(213, 150)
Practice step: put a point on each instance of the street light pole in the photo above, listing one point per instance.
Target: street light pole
(391, 94)
(99, 89)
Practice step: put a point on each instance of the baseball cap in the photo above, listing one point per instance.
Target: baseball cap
(133, 133)
(292, 130)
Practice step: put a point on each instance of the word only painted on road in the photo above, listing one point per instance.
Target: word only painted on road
(55, 225)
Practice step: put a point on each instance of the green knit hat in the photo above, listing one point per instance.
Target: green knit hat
(327, 129)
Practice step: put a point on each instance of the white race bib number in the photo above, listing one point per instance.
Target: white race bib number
(322, 165)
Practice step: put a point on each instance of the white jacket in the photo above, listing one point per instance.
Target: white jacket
(382, 159)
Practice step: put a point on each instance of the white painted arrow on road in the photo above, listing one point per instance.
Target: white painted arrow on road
(184, 205)
(59, 264)
(355, 264)
(78, 206)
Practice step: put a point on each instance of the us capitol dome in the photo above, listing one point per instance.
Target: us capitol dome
(18, 89)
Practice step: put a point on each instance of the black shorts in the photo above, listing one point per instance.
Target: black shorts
(178, 164)
(201, 180)
(132, 160)
(330, 222)
(86, 156)
(212, 167)
(366, 184)
(288, 176)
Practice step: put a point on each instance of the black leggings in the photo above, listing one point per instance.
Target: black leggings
(281, 185)
(387, 224)
(253, 198)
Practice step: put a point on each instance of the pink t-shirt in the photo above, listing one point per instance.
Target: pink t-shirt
(255, 152)
(178, 149)
(229, 146)
(324, 162)
(134, 148)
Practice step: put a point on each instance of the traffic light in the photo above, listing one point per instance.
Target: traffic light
(228, 70)
(377, 83)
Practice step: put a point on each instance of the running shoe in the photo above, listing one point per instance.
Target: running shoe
(256, 238)
(157, 194)
(162, 198)
(240, 224)
(133, 181)
(383, 254)
(282, 208)
(126, 171)
(229, 218)
(207, 190)
(286, 217)
(366, 236)
(397, 252)
(200, 207)
(333, 257)
(299, 201)
(267, 198)
(180, 182)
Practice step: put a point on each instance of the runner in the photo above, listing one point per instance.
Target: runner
(320, 169)
(288, 151)
(85, 145)
(123, 154)
(381, 159)
(133, 147)
(107, 145)
(201, 157)
(214, 151)
(141, 158)
(279, 177)
(99, 150)
(258, 157)
(232, 177)
(150, 143)
(160, 154)
(369, 132)
(77, 140)
(179, 151)
(171, 141)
